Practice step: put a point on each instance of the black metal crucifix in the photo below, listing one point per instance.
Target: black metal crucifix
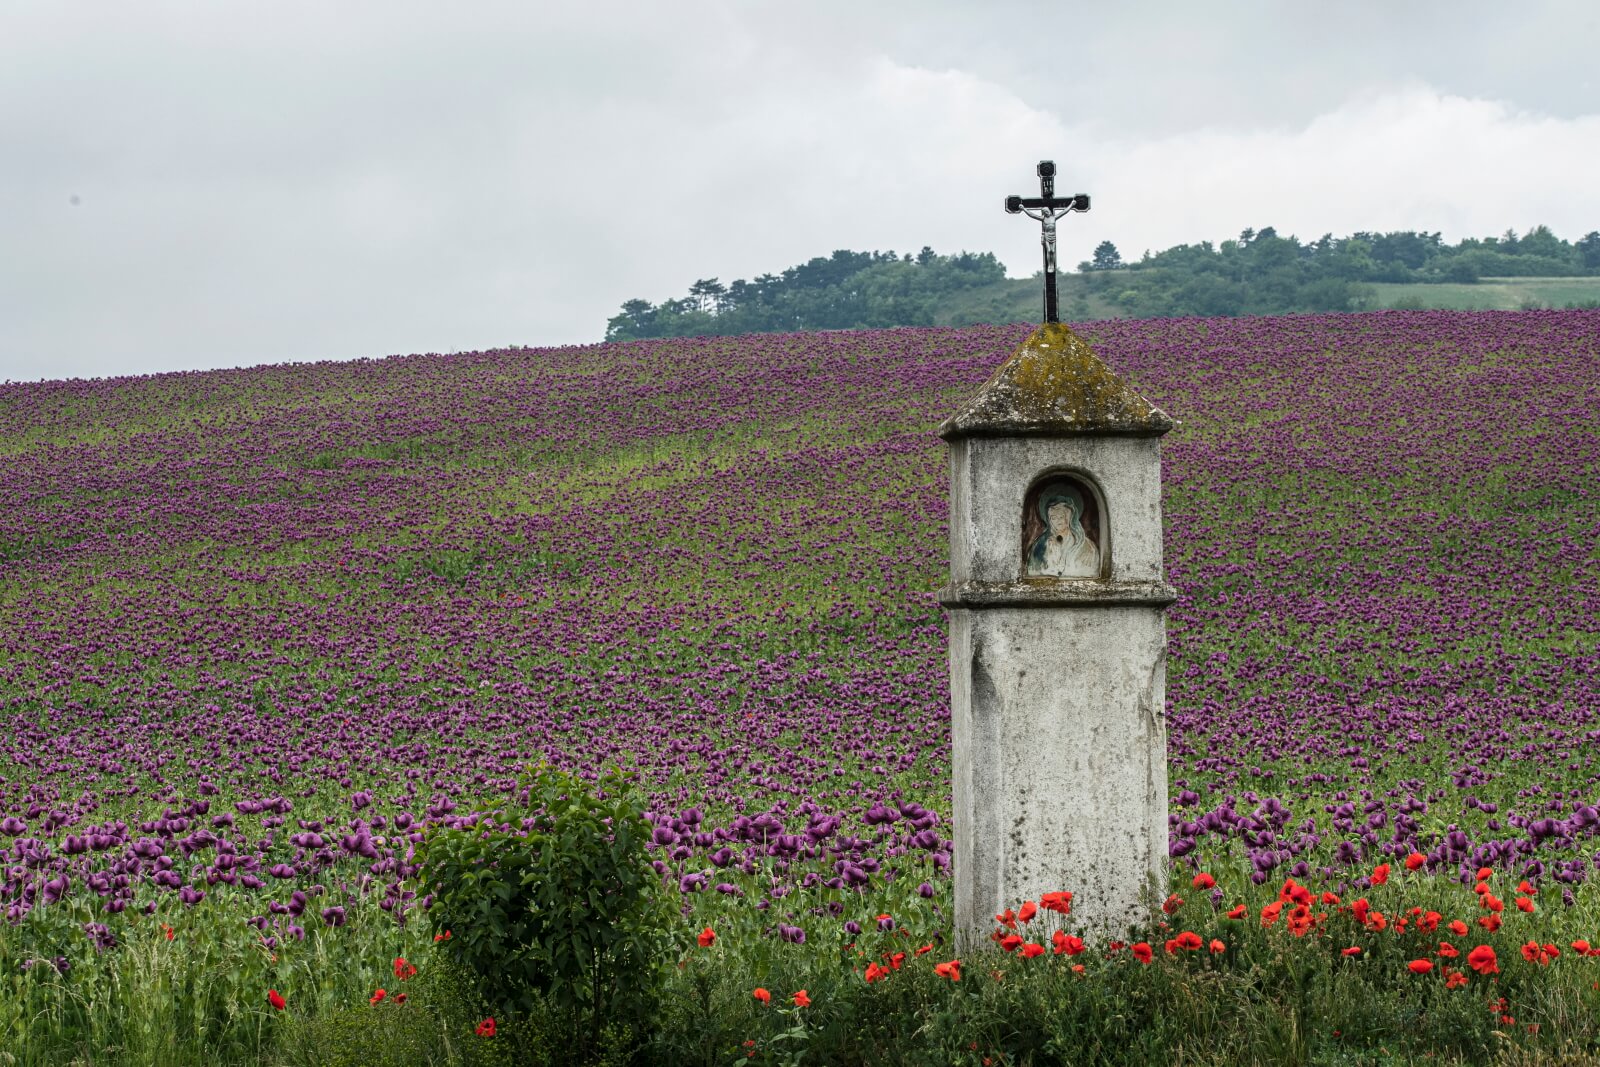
(1049, 207)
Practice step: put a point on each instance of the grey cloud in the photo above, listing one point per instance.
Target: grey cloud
(309, 181)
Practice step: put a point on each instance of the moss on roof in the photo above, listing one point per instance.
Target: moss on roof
(1055, 385)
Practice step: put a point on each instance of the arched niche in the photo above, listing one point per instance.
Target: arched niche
(1065, 534)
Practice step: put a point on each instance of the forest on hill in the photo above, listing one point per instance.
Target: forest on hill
(1259, 273)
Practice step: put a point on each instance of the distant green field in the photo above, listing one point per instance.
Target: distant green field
(1019, 299)
(1022, 300)
(1490, 294)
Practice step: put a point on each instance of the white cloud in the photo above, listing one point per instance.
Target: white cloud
(334, 182)
(1406, 158)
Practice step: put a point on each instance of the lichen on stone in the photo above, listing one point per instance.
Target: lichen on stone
(1052, 385)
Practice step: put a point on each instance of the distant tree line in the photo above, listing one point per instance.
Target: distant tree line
(845, 291)
(1262, 273)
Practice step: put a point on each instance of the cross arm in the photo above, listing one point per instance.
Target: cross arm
(1079, 202)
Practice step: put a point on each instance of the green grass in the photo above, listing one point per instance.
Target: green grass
(1264, 995)
(1490, 294)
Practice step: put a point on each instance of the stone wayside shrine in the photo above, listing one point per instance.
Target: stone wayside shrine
(1057, 606)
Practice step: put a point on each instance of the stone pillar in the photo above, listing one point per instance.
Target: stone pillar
(1057, 606)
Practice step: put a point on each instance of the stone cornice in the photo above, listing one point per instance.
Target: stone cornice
(1056, 593)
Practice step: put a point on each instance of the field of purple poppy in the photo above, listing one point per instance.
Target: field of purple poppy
(260, 627)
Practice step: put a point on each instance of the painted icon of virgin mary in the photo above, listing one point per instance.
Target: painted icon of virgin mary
(1063, 550)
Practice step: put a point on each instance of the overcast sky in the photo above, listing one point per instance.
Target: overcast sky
(201, 184)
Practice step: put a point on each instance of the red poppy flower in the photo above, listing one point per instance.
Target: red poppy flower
(1269, 914)
(1143, 953)
(1525, 886)
(923, 950)
(1010, 942)
(485, 1028)
(1581, 948)
(950, 970)
(378, 996)
(1237, 912)
(399, 998)
(1380, 874)
(167, 930)
(1353, 950)
(1455, 980)
(1458, 928)
(1490, 922)
(1524, 904)
(1188, 940)
(1066, 943)
(1028, 911)
(1032, 949)
(1482, 960)
(762, 995)
(801, 1000)
(1007, 918)
(1058, 902)
(1172, 903)
(874, 972)
(442, 937)
(276, 999)
(707, 937)
(1448, 951)
(1217, 946)
(1420, 966)
(1203, 881)
(1415, 860)
(1485, 873)
(404, 970)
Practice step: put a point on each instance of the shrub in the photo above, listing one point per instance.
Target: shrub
(563, 912)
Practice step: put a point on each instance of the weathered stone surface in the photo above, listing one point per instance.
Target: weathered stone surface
(1054, 384)
(1060, 764)
(989, 476)
(1044, 593)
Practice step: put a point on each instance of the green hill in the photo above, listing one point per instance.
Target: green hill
(1022, 300)
(1260, 273)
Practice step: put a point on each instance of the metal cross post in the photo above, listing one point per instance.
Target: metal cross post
(1047, 208)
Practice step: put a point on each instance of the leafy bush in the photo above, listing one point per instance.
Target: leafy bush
(563, 912)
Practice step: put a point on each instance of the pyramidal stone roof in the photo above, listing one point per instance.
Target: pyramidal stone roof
(1053, 386)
